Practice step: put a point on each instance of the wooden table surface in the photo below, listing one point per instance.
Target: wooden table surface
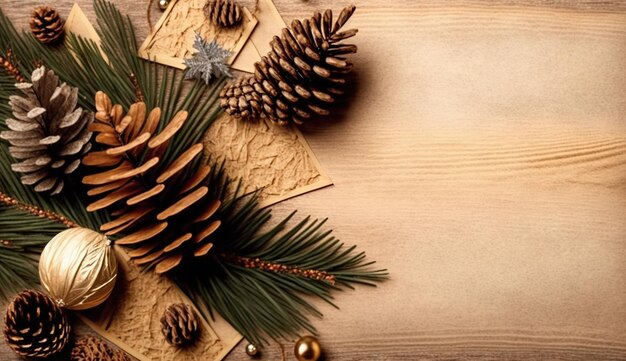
(482, 159)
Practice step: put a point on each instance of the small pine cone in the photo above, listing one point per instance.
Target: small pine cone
(35, 326)
(49, 134)
(223, 13)
(179, 324)
(91, 348)
(242, 97)
(47, 25)
(303, 74)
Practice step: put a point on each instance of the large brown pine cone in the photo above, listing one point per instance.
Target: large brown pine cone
(90, 348)
(35, 326)
(49, 134)
(179, 324)
(301, 77)
(168, 217)
(223, 13)
(47, 25)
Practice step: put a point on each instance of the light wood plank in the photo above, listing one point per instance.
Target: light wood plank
(481, 158)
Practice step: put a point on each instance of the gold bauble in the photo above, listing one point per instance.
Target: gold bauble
(307, 348)
(78, 268)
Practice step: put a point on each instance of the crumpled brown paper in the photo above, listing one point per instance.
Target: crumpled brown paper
(131, 319)
(172, 39)
(276, 160)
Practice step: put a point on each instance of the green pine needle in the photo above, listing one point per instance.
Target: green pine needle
(22, 238)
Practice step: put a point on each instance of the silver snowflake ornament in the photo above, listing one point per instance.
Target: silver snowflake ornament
(209, 61)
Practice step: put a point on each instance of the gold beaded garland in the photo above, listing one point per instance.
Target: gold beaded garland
(307, 348)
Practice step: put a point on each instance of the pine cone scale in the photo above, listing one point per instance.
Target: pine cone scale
(343, 18)
(151, 256)
(69, 120)
(23, 124)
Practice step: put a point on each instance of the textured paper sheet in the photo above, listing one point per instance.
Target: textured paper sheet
(131, 319)
(277, 160)
(172, 38)
(78, 24)
(270, 24)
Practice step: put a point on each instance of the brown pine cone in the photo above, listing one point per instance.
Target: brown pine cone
(223, 13)
(35, 326)
(179, 324)
(91, 348)
(301, 77)
(166, 218)
(47, 25)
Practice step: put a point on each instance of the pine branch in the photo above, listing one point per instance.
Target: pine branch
(22, 238)
(258, 300)
(27, 51)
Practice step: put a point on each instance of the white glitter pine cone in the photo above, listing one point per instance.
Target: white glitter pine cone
(48, 133)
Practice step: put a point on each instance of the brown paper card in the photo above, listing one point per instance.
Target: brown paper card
(270, 24)
(78, 24)
(276, 160)
(171, 41)
(131, 318)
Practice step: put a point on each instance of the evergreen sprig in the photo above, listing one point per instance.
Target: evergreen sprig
(258, 277)
(261, 303)
(22, 238)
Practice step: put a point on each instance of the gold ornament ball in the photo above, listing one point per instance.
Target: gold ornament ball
(163, 4)
(252, 350)
(307, 348)
(78, 268)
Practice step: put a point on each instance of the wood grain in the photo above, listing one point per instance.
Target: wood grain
(481, 158)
